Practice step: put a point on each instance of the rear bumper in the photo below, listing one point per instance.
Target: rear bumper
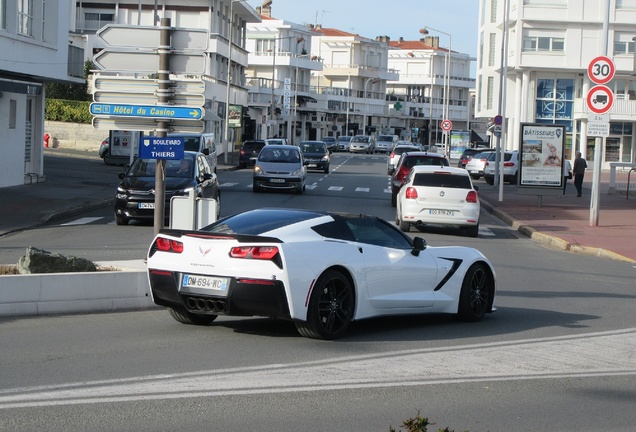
(243, 297)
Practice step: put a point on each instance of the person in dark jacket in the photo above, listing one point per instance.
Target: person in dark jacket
(579, 172)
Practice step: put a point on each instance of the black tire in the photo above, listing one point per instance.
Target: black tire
(472, 231)
(255, 188)
(476, 295)
(515, 179)
(106, 160)
(405, 226)
(490, 180)
(475, 176)
(121, 220)
(184, 317)
(330, 308)
(393, 199)
(327, 169)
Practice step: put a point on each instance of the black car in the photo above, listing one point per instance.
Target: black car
(135, 198)
(409, 160)
(249, 152)
(316, 155)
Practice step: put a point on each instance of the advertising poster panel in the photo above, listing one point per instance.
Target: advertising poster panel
(542, 153)
(122, 143)
(459, 141)
(236, 116)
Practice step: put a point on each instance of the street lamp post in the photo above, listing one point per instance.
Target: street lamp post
(366, 105)
(272, 107)
(446, 104)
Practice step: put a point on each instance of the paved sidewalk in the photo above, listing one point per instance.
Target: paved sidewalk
(560, 222)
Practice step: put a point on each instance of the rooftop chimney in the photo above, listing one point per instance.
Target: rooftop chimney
(266, 8)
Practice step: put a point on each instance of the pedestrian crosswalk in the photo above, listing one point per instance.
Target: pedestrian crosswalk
(313, 186)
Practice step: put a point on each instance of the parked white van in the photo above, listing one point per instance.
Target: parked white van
(200, 142)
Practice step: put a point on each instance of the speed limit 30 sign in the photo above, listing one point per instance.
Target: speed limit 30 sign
(601, 70)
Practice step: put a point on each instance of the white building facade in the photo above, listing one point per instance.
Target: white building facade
(550, 46)
(35, 50)
(223, 19)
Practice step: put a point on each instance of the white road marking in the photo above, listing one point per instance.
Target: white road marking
(361, 189)
(228, 184)
(485, 231)
(610, 353)
(335, 188)
(82, 221)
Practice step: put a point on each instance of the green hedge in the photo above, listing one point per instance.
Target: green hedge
(72, 111)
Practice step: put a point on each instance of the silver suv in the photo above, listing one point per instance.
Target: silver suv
(510, 167)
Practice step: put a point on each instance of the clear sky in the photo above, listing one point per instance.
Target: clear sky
(393, 18)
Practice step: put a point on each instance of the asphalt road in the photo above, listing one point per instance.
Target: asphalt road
(559, 354)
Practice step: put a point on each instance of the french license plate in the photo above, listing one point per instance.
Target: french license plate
(209, 282)
(442, 212)
(146, 205)
(312, 166)
(277, 180)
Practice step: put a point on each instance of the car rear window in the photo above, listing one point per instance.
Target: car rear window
(493, 156)
(412, 161)
(385, 138)
(191, 144)
(399, 151)
(253, 146)
(442, 180)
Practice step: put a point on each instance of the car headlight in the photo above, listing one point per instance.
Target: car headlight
(325, 158)
(258, 170)
(121, 194)
(298, 172)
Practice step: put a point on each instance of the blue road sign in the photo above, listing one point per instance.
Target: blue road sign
(153, 147)
(148, 111)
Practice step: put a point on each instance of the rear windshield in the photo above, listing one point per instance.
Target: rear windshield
(259, 221)
(493, 156)
(191, 144)
(399, 151)
(442, 180)
(424, 160)
(253, 146)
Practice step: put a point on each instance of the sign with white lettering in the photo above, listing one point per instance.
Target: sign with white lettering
(148, 111)
(153, 147)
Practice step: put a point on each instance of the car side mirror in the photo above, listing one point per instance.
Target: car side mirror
(121, 175)
(205, 151)
(419, 244)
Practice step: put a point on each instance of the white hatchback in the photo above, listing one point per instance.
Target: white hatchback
(439, 196)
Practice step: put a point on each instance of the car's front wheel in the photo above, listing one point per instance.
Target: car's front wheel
(330, 308)
(184, 317)
(121, 220)
(475, 296)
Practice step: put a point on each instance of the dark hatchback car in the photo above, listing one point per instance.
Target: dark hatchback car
(408, 161)
(331, 143)
(249, 152)
(316, 155)
(135, 199)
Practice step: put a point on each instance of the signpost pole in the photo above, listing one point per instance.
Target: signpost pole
(162, 125)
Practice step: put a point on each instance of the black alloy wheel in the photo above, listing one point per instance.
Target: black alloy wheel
(475, 296)
(330, 308)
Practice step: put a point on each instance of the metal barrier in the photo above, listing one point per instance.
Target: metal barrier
(629, 174)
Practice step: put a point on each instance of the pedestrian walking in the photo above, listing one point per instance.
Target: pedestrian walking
(567, 174)
(579, 172)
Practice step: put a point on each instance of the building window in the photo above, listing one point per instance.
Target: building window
(623, 44)
(490, 96)
(555, 102)
(97, 20)
(25, 17)
(493, 11)
(3, 14)
(625, 4)
(543, 43)
(492, 47)
(13, 112)
(546, 2)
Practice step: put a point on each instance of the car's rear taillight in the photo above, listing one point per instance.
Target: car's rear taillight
(254, 252)
(402, 173)
(392, 155)
(509, 164)
(471, 197)
(485, 163)
(411, 193)
(167, 245)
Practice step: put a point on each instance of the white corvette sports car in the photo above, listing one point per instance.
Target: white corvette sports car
(321, 270)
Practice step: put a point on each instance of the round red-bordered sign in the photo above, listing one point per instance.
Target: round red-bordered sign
(601, 70)
(447, 125)
(600, 99)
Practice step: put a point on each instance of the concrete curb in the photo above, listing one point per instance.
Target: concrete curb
(550, 240)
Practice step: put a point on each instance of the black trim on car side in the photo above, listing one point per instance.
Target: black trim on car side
(457, 262)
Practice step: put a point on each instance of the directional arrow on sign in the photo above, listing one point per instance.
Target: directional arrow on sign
(143, 124)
